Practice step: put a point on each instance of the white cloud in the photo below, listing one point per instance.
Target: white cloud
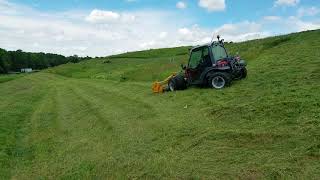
(311, 11)
(103, 32)
(184, 31)
(109, 17)
(94, 33)
(286, 2)
(298, 25)
(238, 28)
(181, 5)
(241, 31)
(99, 16)
(163, 35)
(212, 5)
(272, 18)
(194, 35)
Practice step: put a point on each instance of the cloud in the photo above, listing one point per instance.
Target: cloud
(286, 2)
(163, 35)
(299, 25)
(99, 16)
(311, 11)
(272, 18)
(242, 31)
(212, 5)
(93, 33)
(194, 35)
(184, 31)
(103, 32)
(181, 5)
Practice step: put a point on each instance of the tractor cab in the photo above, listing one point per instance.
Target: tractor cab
(202, 58)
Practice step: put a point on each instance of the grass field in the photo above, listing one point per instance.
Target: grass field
(98, 120)
(6, 78)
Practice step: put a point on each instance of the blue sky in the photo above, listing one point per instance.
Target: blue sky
(236, 10)
(100, 27)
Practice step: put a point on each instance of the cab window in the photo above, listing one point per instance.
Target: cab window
(205, 55)
(195, 58)
(205, 52)
(219, 52)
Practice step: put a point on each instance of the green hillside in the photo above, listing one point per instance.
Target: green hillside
(99, 120)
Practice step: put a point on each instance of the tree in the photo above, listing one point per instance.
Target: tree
(16, 60)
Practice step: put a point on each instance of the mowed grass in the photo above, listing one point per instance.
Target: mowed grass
(6, 78)
(99, 120)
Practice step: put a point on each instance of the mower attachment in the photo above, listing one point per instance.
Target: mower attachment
(161, 87)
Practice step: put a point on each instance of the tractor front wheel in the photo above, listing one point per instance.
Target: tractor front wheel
(219, 80)
(242, 74)
(172, 85)
(177, 83)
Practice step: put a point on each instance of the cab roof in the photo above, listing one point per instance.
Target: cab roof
(207, 45)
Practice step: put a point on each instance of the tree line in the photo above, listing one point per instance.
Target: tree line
(14, 61)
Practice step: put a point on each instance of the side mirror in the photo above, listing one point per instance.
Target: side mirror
(184, 67)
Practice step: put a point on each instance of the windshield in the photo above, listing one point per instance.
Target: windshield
(219, 52)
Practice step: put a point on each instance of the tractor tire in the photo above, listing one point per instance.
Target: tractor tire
(243, 74)
(219, 80)
(177, 83)
(172, 85)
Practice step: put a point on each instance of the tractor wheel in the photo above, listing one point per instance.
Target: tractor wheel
(243, 74)
(177, 83)
(181, 83)
(219, 80)
(172, 85)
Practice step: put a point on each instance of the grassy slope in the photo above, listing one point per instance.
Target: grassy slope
(6, 78)
(101, 120)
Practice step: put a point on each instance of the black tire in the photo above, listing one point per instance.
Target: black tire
(181, 83)
(172, 85)
(242, 74)
(219, 80)
(177, 83)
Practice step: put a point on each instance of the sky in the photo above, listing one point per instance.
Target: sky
(105, 27)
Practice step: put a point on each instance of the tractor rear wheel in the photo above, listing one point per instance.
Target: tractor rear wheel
(219, 80)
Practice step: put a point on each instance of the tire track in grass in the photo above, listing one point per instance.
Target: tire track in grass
(123, 108)
(50, 149)
(144, 140)
(58, 143)
(131, 95)
(86, 136)
(197, 146)
(19, 107)
(43, 139)
(92, 108)
(131, 136)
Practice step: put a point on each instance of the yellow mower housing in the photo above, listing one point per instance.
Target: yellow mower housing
(160, 87)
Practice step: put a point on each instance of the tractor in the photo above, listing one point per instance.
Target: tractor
(209, 66)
